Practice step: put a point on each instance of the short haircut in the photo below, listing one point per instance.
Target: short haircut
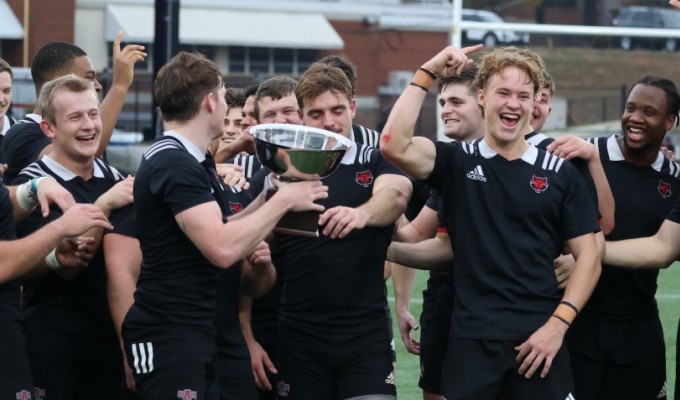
(345, 65)
(494, 62)
(548, 83)
(53, 58)
(5, 67)
(235, 98)
(669, 88)
(182, 83)
(319, 79)
(70, 82)
(467, 78)
(250, 91)
(276, 87)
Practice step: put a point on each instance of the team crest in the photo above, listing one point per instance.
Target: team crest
(364, 178)
(39, 393)
(538, 184)
(24, 395)
(235, 207)
(664, 189)
(187, 394)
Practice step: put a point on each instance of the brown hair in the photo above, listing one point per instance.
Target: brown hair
(276, 87)
(48, 92)
(235, 97)
(496, 61)
(5, 67)
(181, 84)
(319, 79)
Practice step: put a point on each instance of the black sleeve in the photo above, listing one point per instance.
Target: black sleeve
(123, 221)
(22, 146)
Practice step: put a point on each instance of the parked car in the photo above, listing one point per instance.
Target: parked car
(648, 17)
(490, 38)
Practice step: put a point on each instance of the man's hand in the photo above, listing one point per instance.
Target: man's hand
(408, 325)
(3, 168)
(564, 265)
(570, 147)
(75, 253)
(232, 175)
(120, 195)
(51, 192)
(301, 195)
(674, 3)
(340, 221)
(261, 257)
(80, 218)
(124, 61)
(259, 360)
(451, 61)
(541, 348)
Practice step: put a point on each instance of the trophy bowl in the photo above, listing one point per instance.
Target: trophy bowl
(298, 152)
(294, 153)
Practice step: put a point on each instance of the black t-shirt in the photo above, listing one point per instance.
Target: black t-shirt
(250, 163)
(22, 145)
(336, 285)
(507, 220)
(177, 283)
(9, 291)
(643, 196)
(85, 294)
(363, 135)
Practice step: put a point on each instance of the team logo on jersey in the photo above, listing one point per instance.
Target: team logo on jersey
(39, 393)
(538, 184)
(664, 189)
(187, 394)
(24, 395)
(390, 379)
(364, 178)
(235, 207)
(476, 174)
(662, 392)
(283, 388)
(569, 397)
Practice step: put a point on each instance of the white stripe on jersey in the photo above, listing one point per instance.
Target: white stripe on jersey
(160, 146)
(142, 354)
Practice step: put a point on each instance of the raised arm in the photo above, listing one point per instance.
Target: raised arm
(415, 156)
(123, 72)
(658, 251)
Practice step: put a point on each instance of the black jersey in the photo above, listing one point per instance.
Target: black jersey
(250, 163)
(177, 283)
(644, 196)
(85, 294)
(9, 291)
(336, 285)
(542, 142)
(507, 220)
(22, 145)
(363, 135)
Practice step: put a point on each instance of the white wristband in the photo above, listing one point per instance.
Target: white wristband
(51, 260)
(25, 198)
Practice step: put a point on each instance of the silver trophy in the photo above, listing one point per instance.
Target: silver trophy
(294, 153)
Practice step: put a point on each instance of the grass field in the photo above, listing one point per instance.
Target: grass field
(668, 297)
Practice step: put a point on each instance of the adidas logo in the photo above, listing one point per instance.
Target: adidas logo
(662, 393)
(477, 174)
(569, 397)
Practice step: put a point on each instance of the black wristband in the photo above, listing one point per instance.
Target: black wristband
(430, 73)
(568, 304)
(418, 86)
(561, 319)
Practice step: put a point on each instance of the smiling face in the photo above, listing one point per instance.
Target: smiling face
(76, 129)
(283, 111)
(645, 119)
(5, 92)
(83, 67)
(508, 100)
(541, 110)
(232, 125)
(332, 111)
(460, 113)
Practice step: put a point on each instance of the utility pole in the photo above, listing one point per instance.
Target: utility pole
(166, 44)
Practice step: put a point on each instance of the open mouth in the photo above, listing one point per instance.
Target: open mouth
(510, 120)
(89, 138)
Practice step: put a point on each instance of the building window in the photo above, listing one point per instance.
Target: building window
(269, 61)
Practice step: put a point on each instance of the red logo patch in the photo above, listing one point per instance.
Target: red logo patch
(364, 178)
(187, 394)
(664, 189)
(235, 207)
(538, 184)
(24, 395)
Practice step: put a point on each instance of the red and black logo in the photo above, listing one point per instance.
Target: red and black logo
(664, 189)
(23, 395)
(538, 184)
(187, 394)
(235, 207)
(364, 178)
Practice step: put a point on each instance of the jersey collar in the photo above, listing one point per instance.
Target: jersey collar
(615, 154)
(350, 154)
(64, 173)
(529, 156)
(191, 148)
